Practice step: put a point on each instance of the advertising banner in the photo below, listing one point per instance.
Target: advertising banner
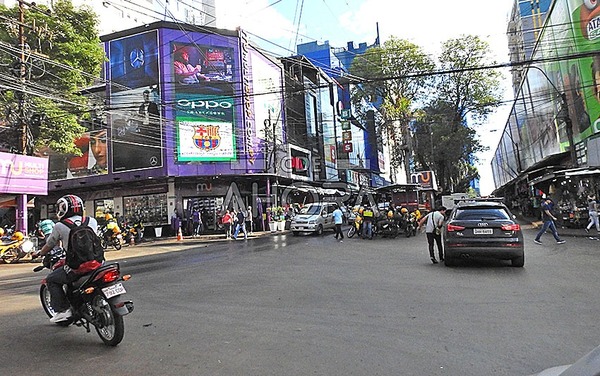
(205, 129)
(23, 174)
(135, 116)
(204, 111)
(93, 158)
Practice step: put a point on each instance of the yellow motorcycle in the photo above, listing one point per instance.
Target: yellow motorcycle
(16, 248)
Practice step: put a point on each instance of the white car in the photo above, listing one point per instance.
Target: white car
(314, 218)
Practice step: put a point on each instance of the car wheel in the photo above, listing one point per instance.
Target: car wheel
(319, 230)
(518, 262)
(449, 261)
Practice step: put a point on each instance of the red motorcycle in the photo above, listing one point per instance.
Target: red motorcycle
(96, 298)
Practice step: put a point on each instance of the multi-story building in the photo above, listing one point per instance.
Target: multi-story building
(550, 142)
(362, 152)
(524, 28)
(199, 118)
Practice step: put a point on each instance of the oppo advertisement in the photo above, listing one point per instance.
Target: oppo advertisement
(205, 128)
(205, 118)
(135, 115)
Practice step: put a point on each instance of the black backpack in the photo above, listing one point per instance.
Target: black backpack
(84, 244)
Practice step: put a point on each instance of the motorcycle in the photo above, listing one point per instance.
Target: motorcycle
(135, 233)
(387, 228)
(356, 226)
(110, 235)
(13, 250)
(96, 299)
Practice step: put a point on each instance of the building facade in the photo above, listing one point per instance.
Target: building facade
(550, 141)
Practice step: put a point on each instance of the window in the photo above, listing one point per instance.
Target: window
(150, 209)
(480, 213)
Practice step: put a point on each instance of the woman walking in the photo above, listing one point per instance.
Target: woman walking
(593, 212)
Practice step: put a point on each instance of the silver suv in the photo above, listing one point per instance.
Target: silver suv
(314, 218)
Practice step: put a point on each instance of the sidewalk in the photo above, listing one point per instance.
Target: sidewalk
(534, 223)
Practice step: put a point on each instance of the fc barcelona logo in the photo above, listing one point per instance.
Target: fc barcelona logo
(206, 137)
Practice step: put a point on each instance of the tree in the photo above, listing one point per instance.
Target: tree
(63, 55)
(462, 99)
(389, 77)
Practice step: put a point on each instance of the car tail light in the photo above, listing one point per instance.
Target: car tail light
(513, 227)
(452, 228)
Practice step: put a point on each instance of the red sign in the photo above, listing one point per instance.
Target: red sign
(347, 147)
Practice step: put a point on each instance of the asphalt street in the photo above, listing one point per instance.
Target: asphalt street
(308, 305)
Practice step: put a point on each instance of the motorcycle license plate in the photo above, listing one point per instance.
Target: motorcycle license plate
(114, 290)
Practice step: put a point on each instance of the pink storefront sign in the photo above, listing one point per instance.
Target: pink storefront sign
(22, 174)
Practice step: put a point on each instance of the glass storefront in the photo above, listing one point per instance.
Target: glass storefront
(150, 209)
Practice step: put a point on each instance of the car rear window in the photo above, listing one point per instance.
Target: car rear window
(480, 213)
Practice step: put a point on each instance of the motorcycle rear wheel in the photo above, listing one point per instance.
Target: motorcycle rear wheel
(110, 326)
(45, 300)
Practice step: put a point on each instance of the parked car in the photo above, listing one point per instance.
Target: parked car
(314, 218)
(483, 229)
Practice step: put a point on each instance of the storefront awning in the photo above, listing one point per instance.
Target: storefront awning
(9, 201)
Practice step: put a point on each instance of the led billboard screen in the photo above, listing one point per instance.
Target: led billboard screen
(135, 115)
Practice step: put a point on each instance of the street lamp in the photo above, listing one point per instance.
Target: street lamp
(564, 114)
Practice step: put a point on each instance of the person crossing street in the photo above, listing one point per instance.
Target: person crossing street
(338, 219)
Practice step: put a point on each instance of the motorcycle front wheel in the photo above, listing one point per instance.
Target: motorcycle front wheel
(351, 231)
(109, 325)
(117, 243)
(11, 255)
(45, 300)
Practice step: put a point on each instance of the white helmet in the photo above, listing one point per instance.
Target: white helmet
(69, 205)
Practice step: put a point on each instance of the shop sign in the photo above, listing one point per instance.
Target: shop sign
(347, 147)
(347, 136)
(345, 125)
(23, 174)
(345, 114)
(247, 97)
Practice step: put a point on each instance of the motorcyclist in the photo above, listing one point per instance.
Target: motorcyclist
(368, 218)
(67, 207)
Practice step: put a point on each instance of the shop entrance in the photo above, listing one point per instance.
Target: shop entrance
(209, 209)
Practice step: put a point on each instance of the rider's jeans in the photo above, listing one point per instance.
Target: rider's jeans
(368, 229)
(55, 280)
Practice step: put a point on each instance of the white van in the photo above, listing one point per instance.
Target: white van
(314, 218)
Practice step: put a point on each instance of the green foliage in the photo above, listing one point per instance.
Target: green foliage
(444, 138)
(64, 56)
(394, 74)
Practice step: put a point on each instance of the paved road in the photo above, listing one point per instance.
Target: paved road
(286, 305)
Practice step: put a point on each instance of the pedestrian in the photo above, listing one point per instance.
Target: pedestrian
(338, 219)
(434, 222)
(227, 220)
(196, 223)
(593, 212)
(249, 220)
(548, 217)
(241, 225)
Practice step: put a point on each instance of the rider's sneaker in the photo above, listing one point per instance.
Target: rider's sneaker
(62, 316)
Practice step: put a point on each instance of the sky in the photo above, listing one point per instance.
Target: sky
(426, 24)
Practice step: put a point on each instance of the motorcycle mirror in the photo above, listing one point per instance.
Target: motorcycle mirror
(38, 268)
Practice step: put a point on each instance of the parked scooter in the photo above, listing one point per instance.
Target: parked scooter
(17, 247)
(96, 299)
(135, 232)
